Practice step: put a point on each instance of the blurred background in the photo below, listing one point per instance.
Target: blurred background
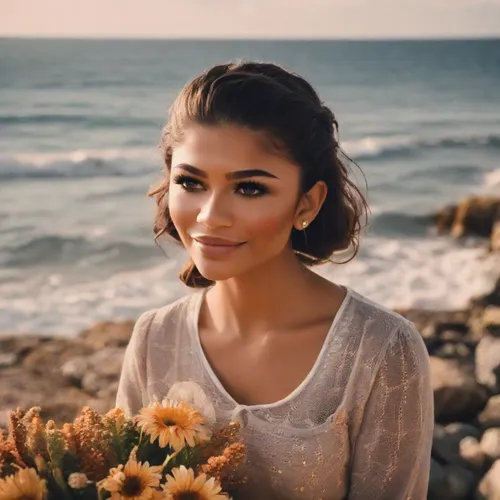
(84, 91)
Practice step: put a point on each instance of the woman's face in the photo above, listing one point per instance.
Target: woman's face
(232, 202)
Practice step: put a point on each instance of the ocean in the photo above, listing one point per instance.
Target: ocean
(80, 123)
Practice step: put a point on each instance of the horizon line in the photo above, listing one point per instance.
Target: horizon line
(423, 38)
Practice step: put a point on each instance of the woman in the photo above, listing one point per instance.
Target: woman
(331, 389)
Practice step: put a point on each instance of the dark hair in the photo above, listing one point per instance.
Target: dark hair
(267, 98)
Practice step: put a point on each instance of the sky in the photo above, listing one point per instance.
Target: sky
(250, 18)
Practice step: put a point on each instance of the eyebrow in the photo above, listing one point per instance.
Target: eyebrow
(238, 174)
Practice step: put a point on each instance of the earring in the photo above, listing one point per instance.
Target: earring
(304, 224)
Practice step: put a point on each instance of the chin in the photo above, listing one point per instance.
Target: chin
(219, 271)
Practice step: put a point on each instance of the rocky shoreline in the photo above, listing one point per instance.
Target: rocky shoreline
(62, 375)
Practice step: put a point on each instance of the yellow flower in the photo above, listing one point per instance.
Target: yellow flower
(23, 485)
(175, 424)
(183, 486)
(135, 481)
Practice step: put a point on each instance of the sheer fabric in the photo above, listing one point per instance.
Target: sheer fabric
(359, 426)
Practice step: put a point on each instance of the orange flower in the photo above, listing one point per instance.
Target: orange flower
(183, 485)
(23, 485)
(173, 424)
(135, 481)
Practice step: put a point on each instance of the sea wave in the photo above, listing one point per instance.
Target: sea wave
(433, 273)
(67, 250)
(130, 162)
(90, 121)
(399, 224)
(369, 148)
(79, 164)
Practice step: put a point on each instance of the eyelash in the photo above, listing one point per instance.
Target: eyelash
(184, 180)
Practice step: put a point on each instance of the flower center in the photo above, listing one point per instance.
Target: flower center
(168, 422)
(187, 495)
(132, 486)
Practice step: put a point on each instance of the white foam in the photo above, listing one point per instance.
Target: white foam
(374, 146)
(56, 306)
(78, 156)
(78, 163)
(435, 273)
(492, 180)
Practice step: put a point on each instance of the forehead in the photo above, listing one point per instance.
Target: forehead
(229, 148)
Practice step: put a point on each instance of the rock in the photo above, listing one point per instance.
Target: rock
(107, 362)
(74, 370)
(438, 485)
(488, 363)
(435, 322)
(445, 218)
(457, 395)
(446, 442)
(470, 451)
(453, 351)
(96, 372)
(24, 389)
(450, 482)
(489, 487)
(91, 382)
(485, 321)
(50, 356)
(491, 320)
(7, 359)
(439, 328)
(108, 392)
(495, 237)
(63, 406)
(20, 345)
(461, 482)
(490, 443)
(490, 416)
(108, 334)
(452, 336)
(60, 374)
(475, 216)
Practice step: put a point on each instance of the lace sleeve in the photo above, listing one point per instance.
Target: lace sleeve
(132, 385)
(392, 453)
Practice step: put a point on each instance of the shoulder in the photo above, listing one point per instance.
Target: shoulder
(179, 312)
(386, 331)
(393, 358)
(154, 322)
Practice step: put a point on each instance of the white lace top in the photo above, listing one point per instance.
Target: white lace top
(359, 427)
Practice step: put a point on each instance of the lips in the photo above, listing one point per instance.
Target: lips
(216, 248)
(213, 241)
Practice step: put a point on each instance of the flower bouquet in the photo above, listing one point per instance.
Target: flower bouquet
(165, 452)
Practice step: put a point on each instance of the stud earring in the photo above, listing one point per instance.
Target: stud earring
(304, 224)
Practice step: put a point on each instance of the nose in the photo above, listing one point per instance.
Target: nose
(215, 213)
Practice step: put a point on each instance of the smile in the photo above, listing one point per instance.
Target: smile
(216, 247)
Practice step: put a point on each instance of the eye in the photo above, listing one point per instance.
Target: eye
(251, 189)
(189, 184)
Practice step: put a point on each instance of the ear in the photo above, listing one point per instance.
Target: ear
(309, 205)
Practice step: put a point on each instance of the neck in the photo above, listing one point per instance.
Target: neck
(265, 299)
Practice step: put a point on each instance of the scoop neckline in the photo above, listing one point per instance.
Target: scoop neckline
(305, 382)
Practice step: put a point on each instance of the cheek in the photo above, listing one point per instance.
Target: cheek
(182, 212)
(271, 224)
